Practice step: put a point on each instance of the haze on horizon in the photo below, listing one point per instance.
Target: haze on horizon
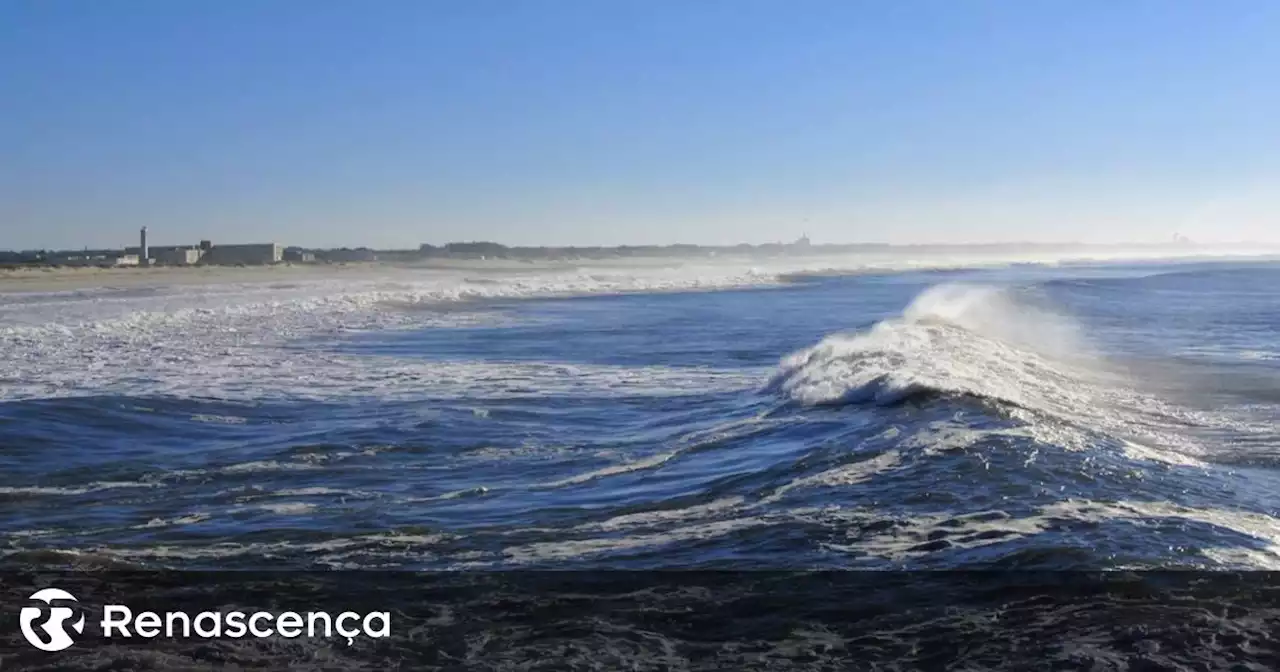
(575, 122)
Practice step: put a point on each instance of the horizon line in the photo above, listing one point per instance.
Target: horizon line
(1186, 244)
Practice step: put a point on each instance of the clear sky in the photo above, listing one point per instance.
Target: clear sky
(394, 122)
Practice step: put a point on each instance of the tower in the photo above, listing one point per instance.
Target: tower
(142, 247)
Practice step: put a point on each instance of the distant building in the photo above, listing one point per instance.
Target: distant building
(177, 256)
(252, 254)
(208, 253)
(478, 249)
(299, 255)
(168, 254)
(74, 258)
(345, 254)
(127, 260)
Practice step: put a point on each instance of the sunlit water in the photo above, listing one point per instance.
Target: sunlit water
(1073, 416)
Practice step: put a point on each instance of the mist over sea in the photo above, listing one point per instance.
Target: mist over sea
(824, 413)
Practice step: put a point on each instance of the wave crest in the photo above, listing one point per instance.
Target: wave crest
(952, 339)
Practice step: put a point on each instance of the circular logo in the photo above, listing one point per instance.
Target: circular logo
(54, 623)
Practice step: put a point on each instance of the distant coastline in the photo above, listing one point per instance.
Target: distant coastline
(481, 250)
(411, 265)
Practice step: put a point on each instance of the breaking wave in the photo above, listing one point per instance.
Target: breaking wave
(988, 425)
(1004, 347)
(952, 339)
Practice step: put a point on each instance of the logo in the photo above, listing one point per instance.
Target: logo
(45, 625)
(57, 638)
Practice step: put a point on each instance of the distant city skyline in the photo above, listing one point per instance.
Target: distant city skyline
(575, 122)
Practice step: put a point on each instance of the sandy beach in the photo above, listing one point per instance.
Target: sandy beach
(68, 278)
(71, 278)
(50, 279)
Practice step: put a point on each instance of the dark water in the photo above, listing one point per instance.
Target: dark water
(1100, 417)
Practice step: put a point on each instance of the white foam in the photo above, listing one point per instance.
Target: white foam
(233, 340)
(666, 516)
(1261, 527)
(285, 508)
(324, 551)
(219, 419)
(650, 462)
(580, 548)
(189, 519)
(1230, 351)
(312, 492)
(263, 465)
(844, 475)
(987, 343)
(74, 490)
(909, 538)
(952, 338)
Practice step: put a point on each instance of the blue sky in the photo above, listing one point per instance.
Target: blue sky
(390, 123)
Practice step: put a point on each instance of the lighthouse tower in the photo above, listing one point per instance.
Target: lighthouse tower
(143, 254)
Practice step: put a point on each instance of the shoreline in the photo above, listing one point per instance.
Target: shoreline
(70, 278)
(38, 279)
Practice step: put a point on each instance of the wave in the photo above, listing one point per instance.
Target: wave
(233, 340)
(245, 340)
(1202, 276)
(952, 339)
(1004, 347)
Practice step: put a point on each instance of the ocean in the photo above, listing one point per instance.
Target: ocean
(728, 415)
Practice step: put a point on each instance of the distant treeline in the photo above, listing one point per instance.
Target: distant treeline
(492, 250)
